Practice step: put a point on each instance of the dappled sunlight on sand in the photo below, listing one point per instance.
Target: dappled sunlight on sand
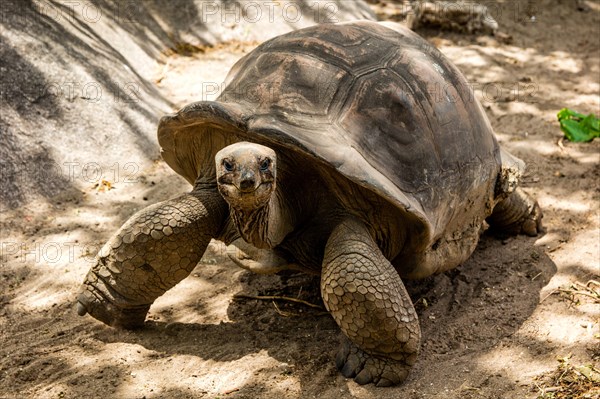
(557, 336)
(478, 56)
(564, 62)
(42, 295)
(136, 371)
(571, 330)
(510, 360)
(467, 56)
(521, 108)
(196, 375)
(193, 299)
(585, 99)
(588, 245)
(49, 283)
(542, 147)
(567, 202)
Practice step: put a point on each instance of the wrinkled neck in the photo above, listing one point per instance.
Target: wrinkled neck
(263, 227)
(253, 224)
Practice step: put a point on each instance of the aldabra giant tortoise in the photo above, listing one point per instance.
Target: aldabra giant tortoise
(355, 151)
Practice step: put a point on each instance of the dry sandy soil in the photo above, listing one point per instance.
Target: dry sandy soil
(511, 322)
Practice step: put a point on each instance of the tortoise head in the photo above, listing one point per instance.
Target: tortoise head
(246, 175)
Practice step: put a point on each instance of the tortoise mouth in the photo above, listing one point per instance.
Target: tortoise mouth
(246, 198)
(248, 190)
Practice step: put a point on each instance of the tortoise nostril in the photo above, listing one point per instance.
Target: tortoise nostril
(247, 183)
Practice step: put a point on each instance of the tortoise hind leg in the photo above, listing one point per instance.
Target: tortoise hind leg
(154, 250)
(366, 297)
(519, 213)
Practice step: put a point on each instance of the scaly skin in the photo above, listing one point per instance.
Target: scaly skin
(519, 213)
(161, 245)
(154, 250)
(366, 297)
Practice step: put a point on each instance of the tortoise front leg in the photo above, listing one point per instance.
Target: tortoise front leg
(367, 299)
(154, 250)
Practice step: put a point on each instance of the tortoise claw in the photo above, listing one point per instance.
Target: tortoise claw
(104, 304)
(353, 362)
(81, 309)
(352, 366)
(364, 377)
(532, 226)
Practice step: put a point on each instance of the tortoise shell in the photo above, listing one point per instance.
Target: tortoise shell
(371, 101)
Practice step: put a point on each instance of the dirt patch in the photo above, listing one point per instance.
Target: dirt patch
(493, 328)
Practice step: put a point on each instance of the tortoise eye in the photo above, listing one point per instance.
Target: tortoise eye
(228, 166)
(264, 166)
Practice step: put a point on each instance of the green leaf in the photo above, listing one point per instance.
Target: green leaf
(567, 113)
(578, 127)
(592, 122)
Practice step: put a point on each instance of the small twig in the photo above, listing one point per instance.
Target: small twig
(559, 379)
(539, 387)
(587, 287)
(279, 298)
(578, 289)
(536, 276)
(230, 391)
(552, 389)
(560, 144)
(577, 292)
(548, 296)
(281, 313)
(163, 72)
(544, 391)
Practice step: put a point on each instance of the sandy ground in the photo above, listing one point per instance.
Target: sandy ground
(495, 327)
